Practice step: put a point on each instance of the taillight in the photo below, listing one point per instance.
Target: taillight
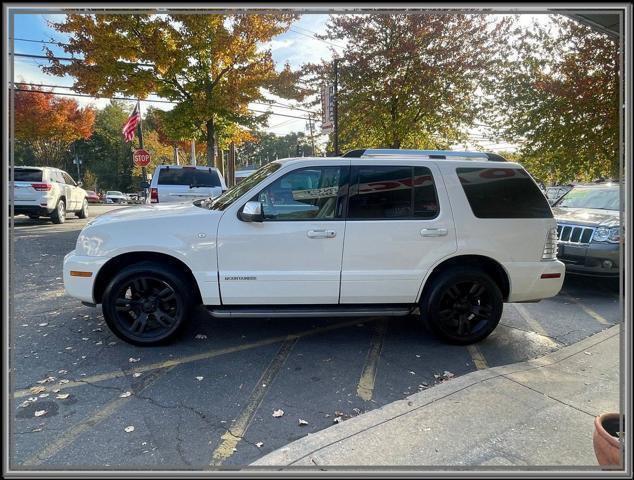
(550, 246)
(42, 187)
(154, 195)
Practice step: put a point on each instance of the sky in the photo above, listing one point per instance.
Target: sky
(297, 46)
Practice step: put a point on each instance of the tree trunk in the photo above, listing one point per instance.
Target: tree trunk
(211, 145)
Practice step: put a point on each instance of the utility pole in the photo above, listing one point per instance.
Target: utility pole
(312, 138)
(176, 160)
(193, 153)
(336, 106)
(143, 169)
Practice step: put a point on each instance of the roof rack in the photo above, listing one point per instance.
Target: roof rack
(426, 154)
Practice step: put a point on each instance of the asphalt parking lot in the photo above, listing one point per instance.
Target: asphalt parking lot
(208, 400)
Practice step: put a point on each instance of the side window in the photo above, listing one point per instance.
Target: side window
(503, 193)
(68, 179)
(57, 176)
(312, 193)
(392, 192)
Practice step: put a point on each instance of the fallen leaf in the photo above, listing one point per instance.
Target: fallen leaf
(136, 374)
(47, 380)
(99, 343)
(63, 396)
(125, 394)
(200, 336)
(448, 374)
(64, 381)
(200, 379)
(62, 372)
(337, 419)
(259, 444)
(412, 372)
(43, 324)
(587, 353)
(303, 422)
(24, 404)
(133, 360)
(43, 395)
(278, 413)
(129, 429)
(39, 413)
(36, 390)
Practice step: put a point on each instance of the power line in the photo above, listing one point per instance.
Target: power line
(278, 104)
(315, 38)
(136, 99)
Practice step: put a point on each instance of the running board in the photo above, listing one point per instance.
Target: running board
(295, 311)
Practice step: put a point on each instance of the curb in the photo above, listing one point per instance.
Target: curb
(311, 443)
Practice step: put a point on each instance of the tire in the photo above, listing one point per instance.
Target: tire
(83, 213)
(59, 214)
(462, 306)
(147, 303)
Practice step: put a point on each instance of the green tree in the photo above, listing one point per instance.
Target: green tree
(266, 147)
(557, 94)
(106, 153)
(212, 65)
(408, 80)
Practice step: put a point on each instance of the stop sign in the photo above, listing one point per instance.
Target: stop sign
(141, 158)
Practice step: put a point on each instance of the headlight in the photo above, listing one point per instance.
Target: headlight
(604, 234)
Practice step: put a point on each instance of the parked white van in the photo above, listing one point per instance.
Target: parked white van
(183, 183)
(446, 236)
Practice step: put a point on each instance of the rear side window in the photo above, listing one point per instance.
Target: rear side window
(28, 175)
(189, 177)
(503, 193)
(392, 192)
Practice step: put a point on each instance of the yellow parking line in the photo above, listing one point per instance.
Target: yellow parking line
(69, 436)
(192, 358)
(587, 309)
(478, 359)
(529, 319)
(232, 437)
(365, 388)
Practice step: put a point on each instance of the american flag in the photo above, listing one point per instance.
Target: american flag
(131, 123)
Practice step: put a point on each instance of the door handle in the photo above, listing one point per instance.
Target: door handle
(321, 234)
(433, 232)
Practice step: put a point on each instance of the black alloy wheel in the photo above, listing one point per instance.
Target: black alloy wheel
(463, 306)
(147, 304)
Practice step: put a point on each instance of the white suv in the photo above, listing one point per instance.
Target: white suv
(47, 192)
(448, 236)
(176, 183)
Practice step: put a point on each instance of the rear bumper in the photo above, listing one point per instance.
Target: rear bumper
(81, 287)
(32, 210)
(595, 259)
(527, 283)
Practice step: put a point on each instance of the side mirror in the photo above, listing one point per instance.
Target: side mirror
(251, 212)
(80, 184)
(145, 185)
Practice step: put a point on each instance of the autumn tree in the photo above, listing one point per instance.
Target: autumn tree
(407, 80)
(211, 65)
(48, 124)
(556, 93)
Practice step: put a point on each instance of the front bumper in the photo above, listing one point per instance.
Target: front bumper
(81, 287)
(527, 284)
(596, 259)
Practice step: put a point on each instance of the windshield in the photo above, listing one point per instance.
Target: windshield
(114, 193)
(601, 198)
(235, 192)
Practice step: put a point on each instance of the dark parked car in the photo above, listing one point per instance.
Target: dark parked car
(589, 229)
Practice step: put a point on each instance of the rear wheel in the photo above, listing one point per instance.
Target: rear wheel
(462, 306)
(59, 214)
(147, 303)
(83, 213)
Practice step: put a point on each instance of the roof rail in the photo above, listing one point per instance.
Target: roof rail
(427, 154)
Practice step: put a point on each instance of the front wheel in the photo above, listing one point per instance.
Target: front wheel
(462, 306)
(83, 213)
(147, 303)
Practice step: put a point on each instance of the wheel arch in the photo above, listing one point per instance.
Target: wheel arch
(112, 266)
(489, 265)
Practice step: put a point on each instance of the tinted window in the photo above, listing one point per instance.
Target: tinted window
(189, 177)
(231, 195)
(28, 175)
(392, 192)
(304, 194)
(503, 193)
